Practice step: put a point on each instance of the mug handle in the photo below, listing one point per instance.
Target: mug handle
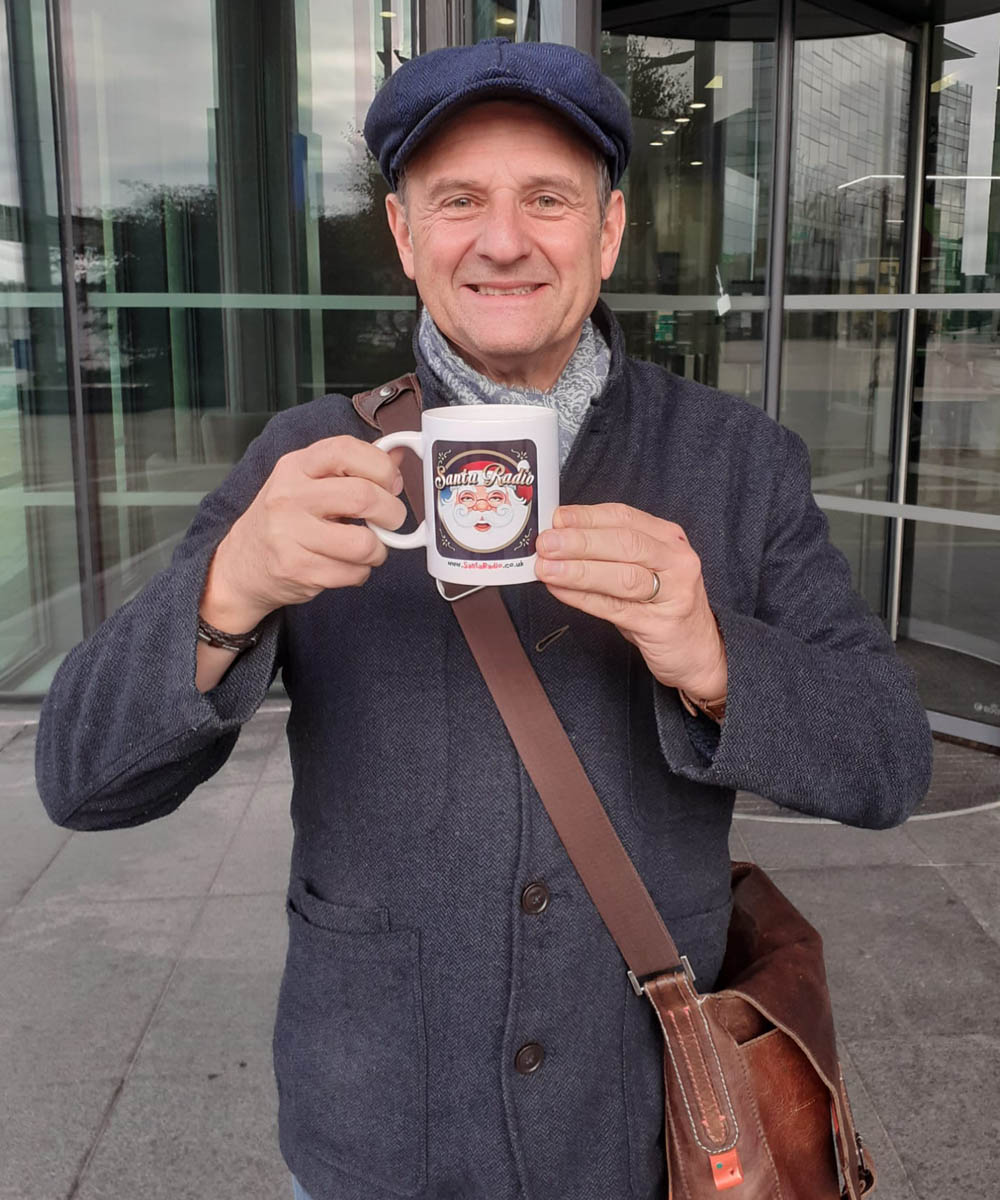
(414, 441)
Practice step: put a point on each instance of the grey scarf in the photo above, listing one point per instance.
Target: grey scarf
(582, 379)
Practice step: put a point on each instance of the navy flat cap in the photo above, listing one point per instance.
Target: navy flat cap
(426, 89)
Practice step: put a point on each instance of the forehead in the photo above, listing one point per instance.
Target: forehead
(517, 131)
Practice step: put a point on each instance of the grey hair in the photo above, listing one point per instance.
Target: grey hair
(604, 188)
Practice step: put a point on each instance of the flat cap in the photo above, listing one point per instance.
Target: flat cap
(426, 89)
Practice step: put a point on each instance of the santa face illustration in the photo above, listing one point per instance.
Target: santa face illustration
(482, 515)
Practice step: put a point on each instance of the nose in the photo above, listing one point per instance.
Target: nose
(482, 506)
(503, 237)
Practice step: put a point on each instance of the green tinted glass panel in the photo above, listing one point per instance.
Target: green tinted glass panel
(961, 244)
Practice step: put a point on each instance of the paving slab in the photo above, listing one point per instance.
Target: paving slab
(937, 1097)
(893, 1182)
(46, 1132)
(78, 984)
(259, 856)
(176, 855)
(738, 849)
(804, 843)
(892, 937)
(216, 1018)
(17, 762)
(979, 890)
(28, 843)
(190, 1139)
(253, 750)
(965, 838)
(278, 767)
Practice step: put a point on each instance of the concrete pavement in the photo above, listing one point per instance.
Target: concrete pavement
(139, 972)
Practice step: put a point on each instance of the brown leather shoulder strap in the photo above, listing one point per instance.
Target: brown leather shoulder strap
(367, 404)
(577, 814)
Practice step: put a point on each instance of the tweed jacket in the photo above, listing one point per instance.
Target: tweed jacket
(414, 974)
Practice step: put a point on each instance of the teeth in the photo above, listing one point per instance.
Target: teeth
(492, 291)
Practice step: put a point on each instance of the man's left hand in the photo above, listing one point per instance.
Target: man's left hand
(602, 558)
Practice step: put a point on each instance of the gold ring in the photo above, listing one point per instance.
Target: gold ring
(656, 589)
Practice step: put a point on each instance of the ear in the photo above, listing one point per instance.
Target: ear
(400, 231)
(611, 233)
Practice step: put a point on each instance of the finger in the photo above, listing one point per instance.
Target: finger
(624, 581)
(330, 573)
(353, 496)
(597, 516)
(619, 544)
(346, 455)
(353, 544)
(608, 608)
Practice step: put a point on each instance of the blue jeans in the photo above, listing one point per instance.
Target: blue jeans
(299, 1191)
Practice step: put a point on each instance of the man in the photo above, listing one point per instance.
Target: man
(454, 1019)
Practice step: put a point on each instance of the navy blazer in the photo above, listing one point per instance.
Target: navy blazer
(414, 973)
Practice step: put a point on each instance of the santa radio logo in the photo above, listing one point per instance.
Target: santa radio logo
(487, 500)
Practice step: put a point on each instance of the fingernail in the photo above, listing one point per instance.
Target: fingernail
(397, 484)
(567, 516)
(550, 541)
(552, 567)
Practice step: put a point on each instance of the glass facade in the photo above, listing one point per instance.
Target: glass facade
(193, 238)
(697, 188)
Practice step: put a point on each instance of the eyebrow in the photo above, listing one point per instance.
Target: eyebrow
(556, 183)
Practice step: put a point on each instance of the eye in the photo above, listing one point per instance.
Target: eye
(498, 498)
(459, 202)
(466, 498)
(547, 202)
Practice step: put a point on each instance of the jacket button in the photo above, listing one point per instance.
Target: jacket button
(535, 898)
(529, 1058)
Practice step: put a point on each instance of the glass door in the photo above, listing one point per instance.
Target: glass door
(949, 615)
(851, 98)
(690, 281)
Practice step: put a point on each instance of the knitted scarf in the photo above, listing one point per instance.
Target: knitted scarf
(582, 379)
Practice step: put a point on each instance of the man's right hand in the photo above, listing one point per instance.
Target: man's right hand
(294, 541)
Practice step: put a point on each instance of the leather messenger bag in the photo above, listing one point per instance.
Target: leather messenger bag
(755, 1102)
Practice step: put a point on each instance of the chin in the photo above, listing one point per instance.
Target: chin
(504, 342)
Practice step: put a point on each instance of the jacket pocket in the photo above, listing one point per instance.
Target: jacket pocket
(350, 1054)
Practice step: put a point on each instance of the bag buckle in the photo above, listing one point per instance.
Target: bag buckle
(640, 987)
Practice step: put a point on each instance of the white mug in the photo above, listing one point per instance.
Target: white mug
(491, 485)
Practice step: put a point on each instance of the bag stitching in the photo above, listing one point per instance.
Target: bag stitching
(694, 1129)
(702, 1107)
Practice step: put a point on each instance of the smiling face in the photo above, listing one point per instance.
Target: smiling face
(483, 519)
(503, 234)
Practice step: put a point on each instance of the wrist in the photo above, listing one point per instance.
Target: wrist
(713, 683)
(222, 606)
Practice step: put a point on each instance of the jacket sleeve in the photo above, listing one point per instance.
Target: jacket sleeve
(124, 735)
(822, 716)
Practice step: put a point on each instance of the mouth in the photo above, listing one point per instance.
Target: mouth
(521, 289)
(483, 527)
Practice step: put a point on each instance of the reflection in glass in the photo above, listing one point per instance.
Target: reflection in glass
(836, 392)
(948, 618)
(962, 199)
(849, 136)
(954, 457)
(516, 20)
(696, 188)
(726, 354)
(863, 540)
(40, 603)
(220, 155)
(951, 573)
